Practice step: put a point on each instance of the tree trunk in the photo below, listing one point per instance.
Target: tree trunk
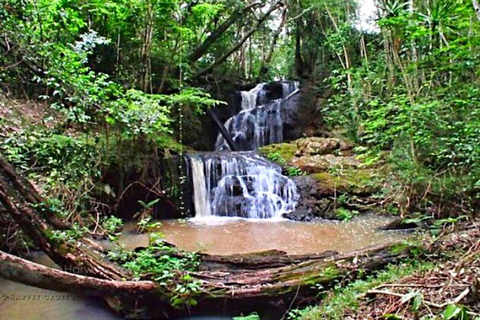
(207, 43)
(266, 63)
(240, 42)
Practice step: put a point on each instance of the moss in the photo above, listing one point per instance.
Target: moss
(285, 150)
(324, 273)
(356, 181)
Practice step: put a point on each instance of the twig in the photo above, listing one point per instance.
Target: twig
(461, 296)
(418, 285)
(428, 303)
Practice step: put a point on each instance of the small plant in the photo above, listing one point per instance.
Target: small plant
(455, 312)
(276, 157)
(345, 214)
(297, 314)
(147, 209)
(439, 225)
(185, 291)
(343, 198)
(335, 171)
(120, 254)
(146, 225)
(148, 205)
(70, 235)
(112, 227)
(162, 264)
(252, 316)
(295, 172)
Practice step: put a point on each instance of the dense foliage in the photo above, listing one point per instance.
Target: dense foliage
(411, 86)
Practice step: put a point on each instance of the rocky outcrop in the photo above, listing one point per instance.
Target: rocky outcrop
(335, 183)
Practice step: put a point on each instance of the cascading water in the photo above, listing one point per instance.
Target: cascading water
(243, 184)
(201, 194)
(261, 120)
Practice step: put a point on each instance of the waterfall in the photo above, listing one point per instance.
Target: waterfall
(200, 194)
(249, 98)
(243, 184)
(260, 122)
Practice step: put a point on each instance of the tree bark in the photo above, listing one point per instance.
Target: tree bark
(476, 6)
(216, 34)
(240, 42)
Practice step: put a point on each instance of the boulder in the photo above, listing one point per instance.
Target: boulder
(315, 145)
(320, 163)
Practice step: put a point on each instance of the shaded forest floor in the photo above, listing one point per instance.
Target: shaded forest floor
(440, 285)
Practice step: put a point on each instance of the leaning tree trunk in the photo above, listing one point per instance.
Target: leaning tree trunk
(31, 213)
(239, 43)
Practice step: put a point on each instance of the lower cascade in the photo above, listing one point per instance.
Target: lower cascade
(240, 184)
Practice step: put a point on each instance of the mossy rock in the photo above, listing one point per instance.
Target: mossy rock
(285, 150)
(355, 181)
(319, 163)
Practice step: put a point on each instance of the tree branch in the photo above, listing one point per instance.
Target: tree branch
(33, 274)
(202, 48)
(240, 42)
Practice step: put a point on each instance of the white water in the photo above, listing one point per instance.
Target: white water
(240, 184)
(249, 98)
(260, 122)
(202, 205)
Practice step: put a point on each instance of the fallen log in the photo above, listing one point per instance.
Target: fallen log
(33, 274)
(31, 213)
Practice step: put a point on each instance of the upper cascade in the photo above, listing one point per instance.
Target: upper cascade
(260, 121)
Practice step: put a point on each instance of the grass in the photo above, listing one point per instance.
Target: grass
(346, 297)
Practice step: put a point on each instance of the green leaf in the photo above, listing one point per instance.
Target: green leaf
(390, 316)
(252, 316)
(455, 312)
(417, 301)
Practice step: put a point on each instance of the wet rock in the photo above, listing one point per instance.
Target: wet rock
(400, 224)
(299, 215)
(318, 163)
(334, 178)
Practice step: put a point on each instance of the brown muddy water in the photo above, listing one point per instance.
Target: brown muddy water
(225, 236)
(216, 236)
